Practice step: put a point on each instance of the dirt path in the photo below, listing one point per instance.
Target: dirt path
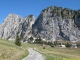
(33, 55)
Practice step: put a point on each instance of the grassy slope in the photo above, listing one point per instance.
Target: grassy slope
(60, 53)
(9, 51)
(57, 53)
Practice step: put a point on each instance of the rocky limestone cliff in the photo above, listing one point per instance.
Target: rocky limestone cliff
(14, 24)
(27, 27)
(57, 23)
(10, 27)
(53, 23)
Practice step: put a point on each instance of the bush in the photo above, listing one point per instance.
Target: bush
(68, 45)
(55, 43)
(30, 40)
(78, 44)
(65, 13)
(43, 46)
(48, 43)
(38, 41)
(18, 40)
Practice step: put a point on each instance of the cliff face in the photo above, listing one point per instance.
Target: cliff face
(10, 27)
(56, 23)
(14, 24)
(27, 27)
(53, 23)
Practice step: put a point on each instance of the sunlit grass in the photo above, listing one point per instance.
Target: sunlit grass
(60, 53)
(9, 51)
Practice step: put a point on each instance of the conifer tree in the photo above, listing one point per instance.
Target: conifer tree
(18, 40)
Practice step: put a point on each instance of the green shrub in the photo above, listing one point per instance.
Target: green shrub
(30, 40)
(48, 43)
(38, 41)
(68, 45)
(55, 43)
(65, 13)
(44, 46)
(18, 40)
(78, 44)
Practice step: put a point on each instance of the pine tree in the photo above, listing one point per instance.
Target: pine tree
(18, 40)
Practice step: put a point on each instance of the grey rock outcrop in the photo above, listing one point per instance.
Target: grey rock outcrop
(53, 23)
(27, 27)
(15, 24)
(10, 27)
(56, 23)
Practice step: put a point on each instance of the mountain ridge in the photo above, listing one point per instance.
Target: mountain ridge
(57, 23)
(53, 23)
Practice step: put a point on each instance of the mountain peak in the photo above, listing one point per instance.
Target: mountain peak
(57, 23)
(53, 23)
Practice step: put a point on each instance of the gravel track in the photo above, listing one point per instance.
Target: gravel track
(33, 55)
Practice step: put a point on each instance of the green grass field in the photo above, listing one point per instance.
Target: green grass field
(61, 53)
(9, 51)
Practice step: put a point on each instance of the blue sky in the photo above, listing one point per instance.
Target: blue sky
(27, 7)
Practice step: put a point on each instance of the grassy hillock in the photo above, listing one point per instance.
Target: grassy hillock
(60, 53)
(10, 51)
